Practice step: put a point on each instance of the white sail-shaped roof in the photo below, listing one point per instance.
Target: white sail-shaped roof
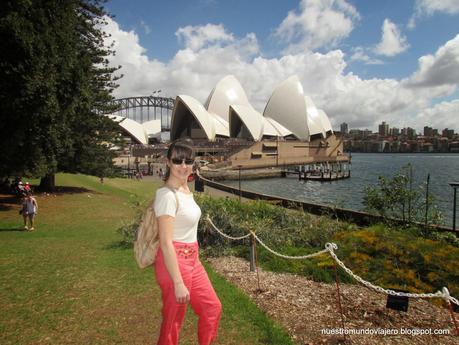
(221, 126)
(288, 107)
(268, 128)
(314, 118)
(251, 118)
(228, 91)
(152, 128)
(211, 124)
(325, 121)
(280, 130)
(133, 128)
(188, 105)
(257, 125)
(228, 113)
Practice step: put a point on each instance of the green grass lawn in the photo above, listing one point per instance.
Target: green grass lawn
(72, 282)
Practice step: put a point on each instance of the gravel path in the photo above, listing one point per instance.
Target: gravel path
(308, 309)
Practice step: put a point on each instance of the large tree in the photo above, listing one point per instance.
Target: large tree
(55, 84)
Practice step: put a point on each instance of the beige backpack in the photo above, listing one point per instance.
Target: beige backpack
(147, 240)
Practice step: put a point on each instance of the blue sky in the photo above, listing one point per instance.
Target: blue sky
(361, 61)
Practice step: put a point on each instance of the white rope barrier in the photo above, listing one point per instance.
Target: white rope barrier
(288, 256)
(330, 248)
(454, 300)
(225, 235)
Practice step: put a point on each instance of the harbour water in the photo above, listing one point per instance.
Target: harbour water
(365, 169)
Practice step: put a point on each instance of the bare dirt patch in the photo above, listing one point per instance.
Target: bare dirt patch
(306, 308)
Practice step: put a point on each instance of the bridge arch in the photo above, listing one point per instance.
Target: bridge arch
(146, 108)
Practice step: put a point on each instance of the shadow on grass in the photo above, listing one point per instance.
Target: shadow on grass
(66, 190)
(119, 245)
(8, 202)
(5, 207)
(13, 229)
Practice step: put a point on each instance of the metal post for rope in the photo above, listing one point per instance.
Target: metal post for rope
(252, 253)
(256, 263)
(340, 307)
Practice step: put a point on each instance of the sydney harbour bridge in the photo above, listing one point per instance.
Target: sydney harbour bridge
(146, 108)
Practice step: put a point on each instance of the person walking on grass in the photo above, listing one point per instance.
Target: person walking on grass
(29, 211)
(179, 272)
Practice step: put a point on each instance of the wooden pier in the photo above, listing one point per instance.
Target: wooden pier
(324, 171)
(321, 176)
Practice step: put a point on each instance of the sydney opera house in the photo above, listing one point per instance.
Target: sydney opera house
(227, 113)
(291, 130)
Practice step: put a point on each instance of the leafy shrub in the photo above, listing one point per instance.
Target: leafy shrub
(395, 197)
(399, 260)
(290, 232)
(386, 256)
(276, 226)
(128, 230)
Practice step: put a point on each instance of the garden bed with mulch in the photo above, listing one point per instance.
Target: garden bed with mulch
(309, 310)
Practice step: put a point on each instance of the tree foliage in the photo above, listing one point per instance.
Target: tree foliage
(55, 83)
(396, 197)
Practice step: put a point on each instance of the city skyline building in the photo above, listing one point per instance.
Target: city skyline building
(383, 129)
(344, 128)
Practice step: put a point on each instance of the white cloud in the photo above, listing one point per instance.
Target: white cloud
(439, 70)
(344, 96)
(320, 23)
(360, 54)
(136, 67)
(196, 37)
(429, 7)
(193, 70)
(392, 42)
(442, 115)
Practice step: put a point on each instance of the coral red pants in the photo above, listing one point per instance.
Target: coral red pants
(203, 298)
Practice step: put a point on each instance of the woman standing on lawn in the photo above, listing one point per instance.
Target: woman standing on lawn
(179, 272)
(29, 211)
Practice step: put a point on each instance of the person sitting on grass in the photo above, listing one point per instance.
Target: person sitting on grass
(29, 210)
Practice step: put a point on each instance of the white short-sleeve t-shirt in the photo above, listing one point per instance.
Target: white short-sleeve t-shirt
(186, 218)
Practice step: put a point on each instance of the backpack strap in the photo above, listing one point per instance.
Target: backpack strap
(176, 197)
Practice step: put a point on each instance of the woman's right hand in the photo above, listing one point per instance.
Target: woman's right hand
(182, 295)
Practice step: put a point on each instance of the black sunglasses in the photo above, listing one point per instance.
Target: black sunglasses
(178, 161)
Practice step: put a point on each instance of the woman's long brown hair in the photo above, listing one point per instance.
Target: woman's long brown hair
(181, 149)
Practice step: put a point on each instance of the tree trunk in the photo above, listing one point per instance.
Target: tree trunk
(47, 183)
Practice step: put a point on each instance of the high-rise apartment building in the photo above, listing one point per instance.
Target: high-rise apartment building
(383, 129)
(394, 131)
(428, 131)
(449, 133)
